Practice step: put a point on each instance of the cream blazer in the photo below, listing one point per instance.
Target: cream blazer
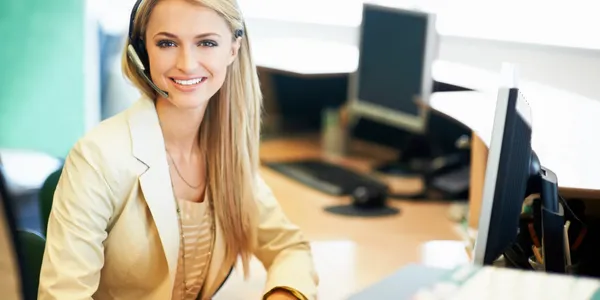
(113, 231)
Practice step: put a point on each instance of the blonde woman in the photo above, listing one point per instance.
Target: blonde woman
(159, 201)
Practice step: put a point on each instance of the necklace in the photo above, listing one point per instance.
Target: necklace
(179, 174)
(182, 244)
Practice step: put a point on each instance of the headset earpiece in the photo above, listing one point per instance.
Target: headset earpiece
(238, 33)
(140, 49)
(136, 51)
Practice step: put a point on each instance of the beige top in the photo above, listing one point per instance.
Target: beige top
(196, 221)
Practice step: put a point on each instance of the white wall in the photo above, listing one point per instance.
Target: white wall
(572, 69)
(577, 70)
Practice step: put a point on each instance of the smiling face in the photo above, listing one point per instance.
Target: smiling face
(189, 48)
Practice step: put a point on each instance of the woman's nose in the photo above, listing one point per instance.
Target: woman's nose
(187, 60)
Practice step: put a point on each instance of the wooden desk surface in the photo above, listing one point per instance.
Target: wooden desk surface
(350, 252)
(564, 130)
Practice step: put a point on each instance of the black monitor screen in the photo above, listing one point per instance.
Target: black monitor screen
(392, 51)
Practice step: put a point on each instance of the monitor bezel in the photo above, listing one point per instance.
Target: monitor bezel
(366, 109)
(523, 109)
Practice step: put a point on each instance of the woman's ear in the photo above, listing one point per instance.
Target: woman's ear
(235, 48)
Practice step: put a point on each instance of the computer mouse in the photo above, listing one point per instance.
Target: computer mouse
(369, 197)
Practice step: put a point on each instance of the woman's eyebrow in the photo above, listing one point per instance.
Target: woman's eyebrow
(202, 35)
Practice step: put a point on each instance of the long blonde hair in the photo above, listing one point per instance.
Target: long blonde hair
(230, 132)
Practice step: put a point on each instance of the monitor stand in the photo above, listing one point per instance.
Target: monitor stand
(551, 216)
(445, 175)
(413, 161)
(419, 149)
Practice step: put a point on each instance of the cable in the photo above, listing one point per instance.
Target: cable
(583, 231)
(564, 203)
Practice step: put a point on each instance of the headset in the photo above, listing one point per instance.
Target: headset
(136, 50)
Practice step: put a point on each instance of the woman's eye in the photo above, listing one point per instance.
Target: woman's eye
(165, 44)
(207, 44)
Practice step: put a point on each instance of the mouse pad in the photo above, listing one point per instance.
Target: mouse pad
(353, 211)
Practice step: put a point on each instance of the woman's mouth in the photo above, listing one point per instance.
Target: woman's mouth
(188, 82)
(187, 85)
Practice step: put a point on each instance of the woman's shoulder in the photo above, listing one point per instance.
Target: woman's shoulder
(107, 140)
(111, 139)
(107, 148)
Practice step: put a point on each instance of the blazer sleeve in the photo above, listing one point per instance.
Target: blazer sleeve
(283, 249)
(81, 209)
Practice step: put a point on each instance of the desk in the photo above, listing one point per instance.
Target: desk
(403, 284)
(350, 253)
(310, 57)
(477, 282)
(564, 136)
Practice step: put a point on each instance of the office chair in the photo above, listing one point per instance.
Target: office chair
(33, 245)
(46, 196)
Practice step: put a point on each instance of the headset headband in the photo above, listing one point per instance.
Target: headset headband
(132, 19)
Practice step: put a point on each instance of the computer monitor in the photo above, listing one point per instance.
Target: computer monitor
(513, 172)
(397, 49)
(10, 272)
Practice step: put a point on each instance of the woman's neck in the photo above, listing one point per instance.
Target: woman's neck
(180, 128)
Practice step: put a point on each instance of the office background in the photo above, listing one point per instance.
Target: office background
(560, 49)
(62, 76)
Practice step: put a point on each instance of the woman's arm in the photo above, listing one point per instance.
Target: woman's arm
(76, 231)
(283, 250)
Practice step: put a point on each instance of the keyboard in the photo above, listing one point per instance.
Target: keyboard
(326, 177)
(482, 283)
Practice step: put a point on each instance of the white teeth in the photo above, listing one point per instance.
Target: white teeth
(189, 82)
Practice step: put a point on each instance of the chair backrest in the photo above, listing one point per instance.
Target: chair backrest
(32, 245)
(12, 285)
(46, 197)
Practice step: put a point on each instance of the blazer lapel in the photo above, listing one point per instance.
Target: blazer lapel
(149, 148)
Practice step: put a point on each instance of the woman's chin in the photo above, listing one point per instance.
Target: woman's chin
(187, 101)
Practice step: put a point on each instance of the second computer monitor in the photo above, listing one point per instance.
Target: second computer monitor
(397, 49)
(514, 172)
(508, 171)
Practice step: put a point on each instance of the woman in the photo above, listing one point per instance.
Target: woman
(160, 200)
